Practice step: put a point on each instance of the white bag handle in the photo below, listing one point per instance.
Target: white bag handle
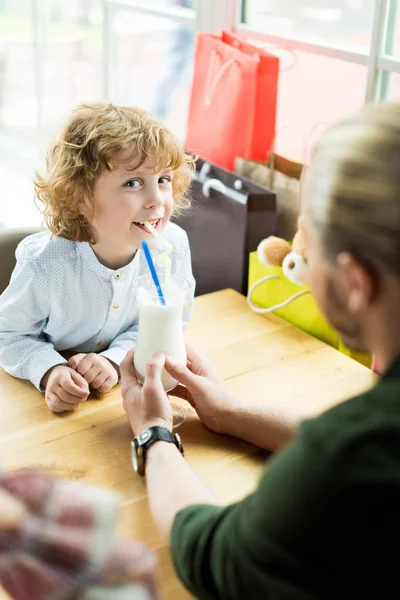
(264, 311)
(215, 184)
(211, 85)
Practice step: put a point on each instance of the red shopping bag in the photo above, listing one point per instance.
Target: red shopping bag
(232, 108)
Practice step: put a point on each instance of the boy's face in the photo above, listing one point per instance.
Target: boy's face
(126, 197)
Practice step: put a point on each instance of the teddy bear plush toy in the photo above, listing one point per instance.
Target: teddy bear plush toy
(274, 251)
(277, 252)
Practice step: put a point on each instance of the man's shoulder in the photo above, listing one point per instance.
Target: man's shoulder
(45, 250)
(365, 424)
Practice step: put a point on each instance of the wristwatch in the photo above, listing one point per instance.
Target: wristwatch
(141, 443)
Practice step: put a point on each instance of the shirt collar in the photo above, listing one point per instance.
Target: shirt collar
(91, 262)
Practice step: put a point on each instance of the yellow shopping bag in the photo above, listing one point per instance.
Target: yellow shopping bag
(269, 288)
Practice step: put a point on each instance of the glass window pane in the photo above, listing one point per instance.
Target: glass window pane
(74, 67)
(154, 59)
(333, 22)
(18, 114)
(313, 92)
(17, 70)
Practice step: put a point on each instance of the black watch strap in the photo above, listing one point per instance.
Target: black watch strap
(161, 434)
(150, 436)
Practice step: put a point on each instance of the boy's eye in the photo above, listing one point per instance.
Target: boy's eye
(133, 183)
(164, 180)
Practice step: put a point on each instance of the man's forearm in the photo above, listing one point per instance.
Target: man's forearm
(172, 485)
(260, 426)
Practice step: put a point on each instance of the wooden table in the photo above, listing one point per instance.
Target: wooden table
(263, 359)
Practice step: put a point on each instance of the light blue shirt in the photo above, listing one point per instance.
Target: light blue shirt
(61, 297)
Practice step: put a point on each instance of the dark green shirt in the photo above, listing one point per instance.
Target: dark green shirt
(324, 521)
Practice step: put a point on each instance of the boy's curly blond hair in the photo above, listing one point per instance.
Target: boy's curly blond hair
(94, 139)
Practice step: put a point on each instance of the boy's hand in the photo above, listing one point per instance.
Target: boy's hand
(100, 373)
(65, 389)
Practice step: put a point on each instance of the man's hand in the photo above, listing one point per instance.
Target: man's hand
(146, 405)
(100, 373)
(65, 389)
(204, 389)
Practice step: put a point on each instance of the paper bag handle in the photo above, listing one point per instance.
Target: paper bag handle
(210, 91)
(264, 311)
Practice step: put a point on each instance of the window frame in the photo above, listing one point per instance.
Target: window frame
(377, 58)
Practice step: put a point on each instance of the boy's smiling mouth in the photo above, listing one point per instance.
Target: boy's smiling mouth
(155, 223)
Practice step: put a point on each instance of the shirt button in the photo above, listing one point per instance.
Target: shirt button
(115, 305)
(188, 305)
(101, 343)
(117, 276)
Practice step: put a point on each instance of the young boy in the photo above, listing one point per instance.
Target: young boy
(110, 169)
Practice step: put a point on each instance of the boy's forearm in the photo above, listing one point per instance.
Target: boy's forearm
(261, 426)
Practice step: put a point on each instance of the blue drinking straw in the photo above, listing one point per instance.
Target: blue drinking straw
(153, 273)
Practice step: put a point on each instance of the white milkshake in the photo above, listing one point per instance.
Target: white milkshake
(160, 327)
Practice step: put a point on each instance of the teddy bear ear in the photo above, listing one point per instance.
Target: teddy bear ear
(295, 268)
(272, 251)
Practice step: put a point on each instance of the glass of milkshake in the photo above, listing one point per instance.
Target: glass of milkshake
(161, 329)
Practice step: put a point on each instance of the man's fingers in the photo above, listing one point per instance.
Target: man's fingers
(75, 360)
(180, 372)
(128, 373)
(193, 355)
(127, 367)
(182, 392)
(154, 368)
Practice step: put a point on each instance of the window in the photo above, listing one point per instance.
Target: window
(154, 58)
(313, 91)
(335, 22)
(335, 56)
(50, 60)
(56, 54)
(18, 102)
(72, 71)
(344, 53)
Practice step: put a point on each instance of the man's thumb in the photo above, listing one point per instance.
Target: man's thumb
(180, 372)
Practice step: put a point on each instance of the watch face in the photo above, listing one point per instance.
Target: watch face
(144, 437)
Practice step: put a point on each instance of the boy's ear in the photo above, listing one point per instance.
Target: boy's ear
(86, 208)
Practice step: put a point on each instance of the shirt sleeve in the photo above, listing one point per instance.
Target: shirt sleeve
(265, 546)
(121, 345)
(24, 310)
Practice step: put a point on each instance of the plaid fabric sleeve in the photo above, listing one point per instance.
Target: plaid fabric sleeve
(67, 548)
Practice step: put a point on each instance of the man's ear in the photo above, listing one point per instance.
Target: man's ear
(358, 282)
